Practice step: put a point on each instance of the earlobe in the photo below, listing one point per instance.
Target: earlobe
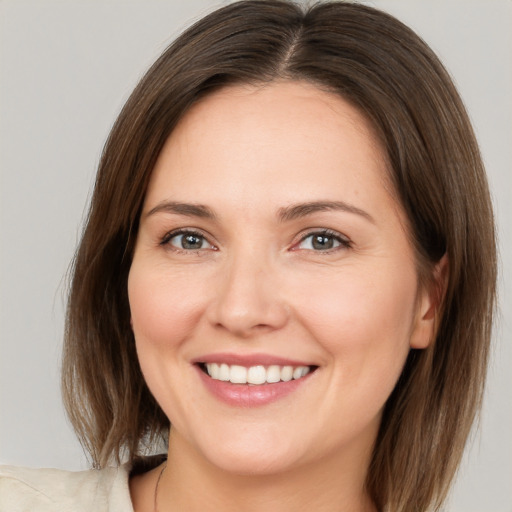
(430, 305)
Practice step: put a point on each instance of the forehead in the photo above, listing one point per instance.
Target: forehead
(296, 108)
(283, 140)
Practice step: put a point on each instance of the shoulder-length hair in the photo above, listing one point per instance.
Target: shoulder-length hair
(386, 71)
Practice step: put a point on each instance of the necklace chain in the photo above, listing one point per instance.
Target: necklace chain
(155, 506)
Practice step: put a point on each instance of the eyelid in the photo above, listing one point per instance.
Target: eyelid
(186, 231)
(345, 242)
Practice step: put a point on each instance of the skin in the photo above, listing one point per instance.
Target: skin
(258, 285)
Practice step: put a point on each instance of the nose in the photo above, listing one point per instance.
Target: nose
(247, 298)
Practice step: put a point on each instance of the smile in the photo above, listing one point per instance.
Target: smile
(252, 380)
(255, 375)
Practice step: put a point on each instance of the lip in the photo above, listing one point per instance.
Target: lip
(249, 395)
(248, 360)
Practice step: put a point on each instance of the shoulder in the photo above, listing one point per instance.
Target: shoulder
(49, 490)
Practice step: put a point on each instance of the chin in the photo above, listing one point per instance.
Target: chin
(252, 456)
(251, 465)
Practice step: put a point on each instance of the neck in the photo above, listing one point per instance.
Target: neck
(192, 483)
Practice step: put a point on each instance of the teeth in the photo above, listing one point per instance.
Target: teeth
(214, 371)
(297, 373)
(273, 374)
(255, 374)
(238, 374)
(224, 372)
(287, 373)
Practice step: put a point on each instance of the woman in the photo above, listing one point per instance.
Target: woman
(289, 257)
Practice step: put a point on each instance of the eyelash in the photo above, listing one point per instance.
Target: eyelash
(184, 232)
(343, 242)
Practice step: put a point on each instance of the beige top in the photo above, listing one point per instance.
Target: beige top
(55, 490)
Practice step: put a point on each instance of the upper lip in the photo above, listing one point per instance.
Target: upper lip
(248, 360)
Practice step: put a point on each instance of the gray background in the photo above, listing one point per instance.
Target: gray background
(66, 67)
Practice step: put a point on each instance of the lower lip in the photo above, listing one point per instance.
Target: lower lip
(245, 395)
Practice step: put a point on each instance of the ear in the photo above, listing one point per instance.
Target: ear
(429, 304)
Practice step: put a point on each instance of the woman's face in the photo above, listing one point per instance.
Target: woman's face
(271, 248)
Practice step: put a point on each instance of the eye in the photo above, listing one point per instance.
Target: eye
(187, 240)
(323, 241)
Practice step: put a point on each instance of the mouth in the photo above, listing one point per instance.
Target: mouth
(253, 380)
(256, 375)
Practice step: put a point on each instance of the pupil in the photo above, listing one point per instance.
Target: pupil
(191, 242)
(322, 242)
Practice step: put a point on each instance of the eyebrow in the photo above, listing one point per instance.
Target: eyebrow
(296, 211)
(188, 209)
(284, 214)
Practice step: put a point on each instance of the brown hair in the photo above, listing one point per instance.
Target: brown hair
(391, 75)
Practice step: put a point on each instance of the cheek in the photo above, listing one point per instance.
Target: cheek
(163, 318)
(363, 320)
(161, 313)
